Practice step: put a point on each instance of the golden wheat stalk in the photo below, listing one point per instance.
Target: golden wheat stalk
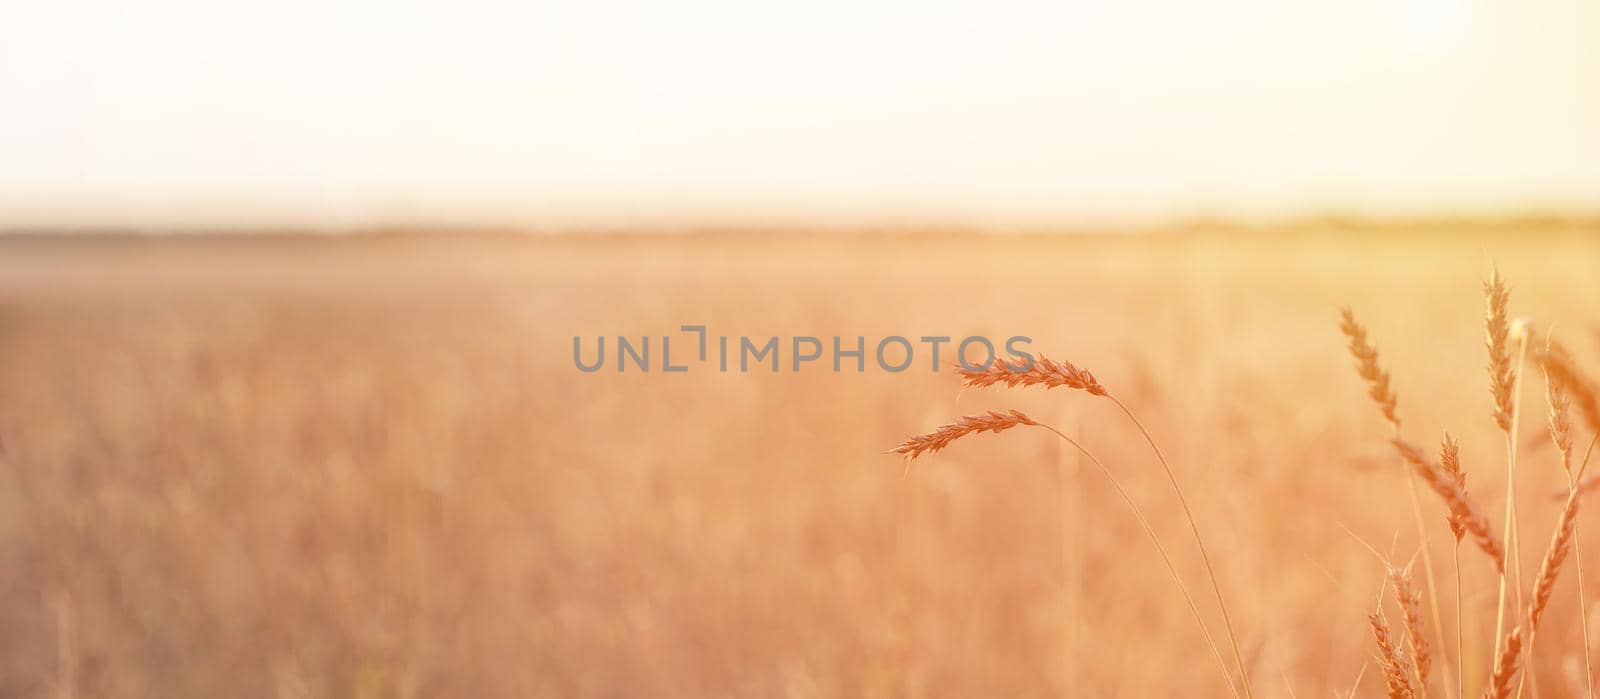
(993, 422)
(1396, 670)
(1044, 372)
(1052, 374)
(1498, 329)
(996, 422)
(1450, 463)
(1505, 666)
(1383, 395)
(1503, 384)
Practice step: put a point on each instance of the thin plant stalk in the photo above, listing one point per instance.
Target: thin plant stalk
(1216, 588)
(1162, 550)
(996, 422)
(1461, 651)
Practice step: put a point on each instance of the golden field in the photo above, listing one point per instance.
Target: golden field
(367, 466)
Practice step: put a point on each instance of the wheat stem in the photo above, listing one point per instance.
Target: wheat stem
(1501, 389)
(1150, 532)
(996, 422)
(1216, 588)
(1461, 668)
(1577, 561)
(1509, 426)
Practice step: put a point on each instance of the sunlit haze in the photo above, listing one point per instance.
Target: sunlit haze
(193, 114)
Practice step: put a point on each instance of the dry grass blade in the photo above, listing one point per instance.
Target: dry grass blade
(940, 438)
(1044, 372)
(1455, 498)
(1396, 670)
(1498, 329)
(1505, 666)
(1052, 374)
(1367, 367)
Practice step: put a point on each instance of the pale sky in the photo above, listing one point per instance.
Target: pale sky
(613, 112)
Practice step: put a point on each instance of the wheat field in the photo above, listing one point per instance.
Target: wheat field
(367, 466)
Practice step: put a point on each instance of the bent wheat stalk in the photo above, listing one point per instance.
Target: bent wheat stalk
(1052, 374)
(1505, 665)
(996, 422)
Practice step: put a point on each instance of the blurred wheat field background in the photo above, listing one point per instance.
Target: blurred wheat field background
(367, 466)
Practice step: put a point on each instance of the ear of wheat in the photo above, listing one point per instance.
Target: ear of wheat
(1555, 394)
(1498, 328)
(1044, 372)
(1367, 366)
(1450, 462)
(1555, 555)
(1455, 498)
(1396, 670)
(1505, 666)
(993, 421)
(1383, 395)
